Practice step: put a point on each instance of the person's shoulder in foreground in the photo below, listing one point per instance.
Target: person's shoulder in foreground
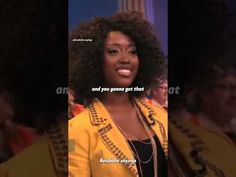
(33, 161)
(81, 118)
(44, 158)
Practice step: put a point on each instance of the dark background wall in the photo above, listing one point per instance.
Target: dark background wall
(160, 8)
(84, 10)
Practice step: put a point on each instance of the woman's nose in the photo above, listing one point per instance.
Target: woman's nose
(124, 58)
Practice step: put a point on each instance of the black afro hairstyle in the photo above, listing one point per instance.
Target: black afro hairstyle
(87, 46)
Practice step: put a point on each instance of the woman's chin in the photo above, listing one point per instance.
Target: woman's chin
(124, 84)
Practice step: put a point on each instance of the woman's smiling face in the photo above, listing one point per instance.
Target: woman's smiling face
(121, 61)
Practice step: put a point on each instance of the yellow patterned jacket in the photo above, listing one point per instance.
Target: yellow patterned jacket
(198, 151)
(47, 157)
(98, 149)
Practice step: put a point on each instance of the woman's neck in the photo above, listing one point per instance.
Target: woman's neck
(116, 100)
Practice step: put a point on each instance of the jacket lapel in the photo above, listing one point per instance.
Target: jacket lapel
(156, 122)
(115, 141)
(111, 135)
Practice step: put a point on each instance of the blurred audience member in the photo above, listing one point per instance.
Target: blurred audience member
(213, 100)
(158, 93)
(202, 132)
(202, 63)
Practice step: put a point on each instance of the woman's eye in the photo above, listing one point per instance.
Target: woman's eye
(112, 51)
(133, 51)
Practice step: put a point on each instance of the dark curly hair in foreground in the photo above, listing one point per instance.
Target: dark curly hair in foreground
(86, 57)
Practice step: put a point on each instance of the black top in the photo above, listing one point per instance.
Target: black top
(145, 152)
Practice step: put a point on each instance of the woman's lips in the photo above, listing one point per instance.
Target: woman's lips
(124, 72)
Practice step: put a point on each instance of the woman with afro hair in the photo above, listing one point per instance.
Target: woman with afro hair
(113, 61)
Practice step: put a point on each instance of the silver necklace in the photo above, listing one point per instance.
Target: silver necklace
(152, 142)
(136, 152)
(154, 146)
